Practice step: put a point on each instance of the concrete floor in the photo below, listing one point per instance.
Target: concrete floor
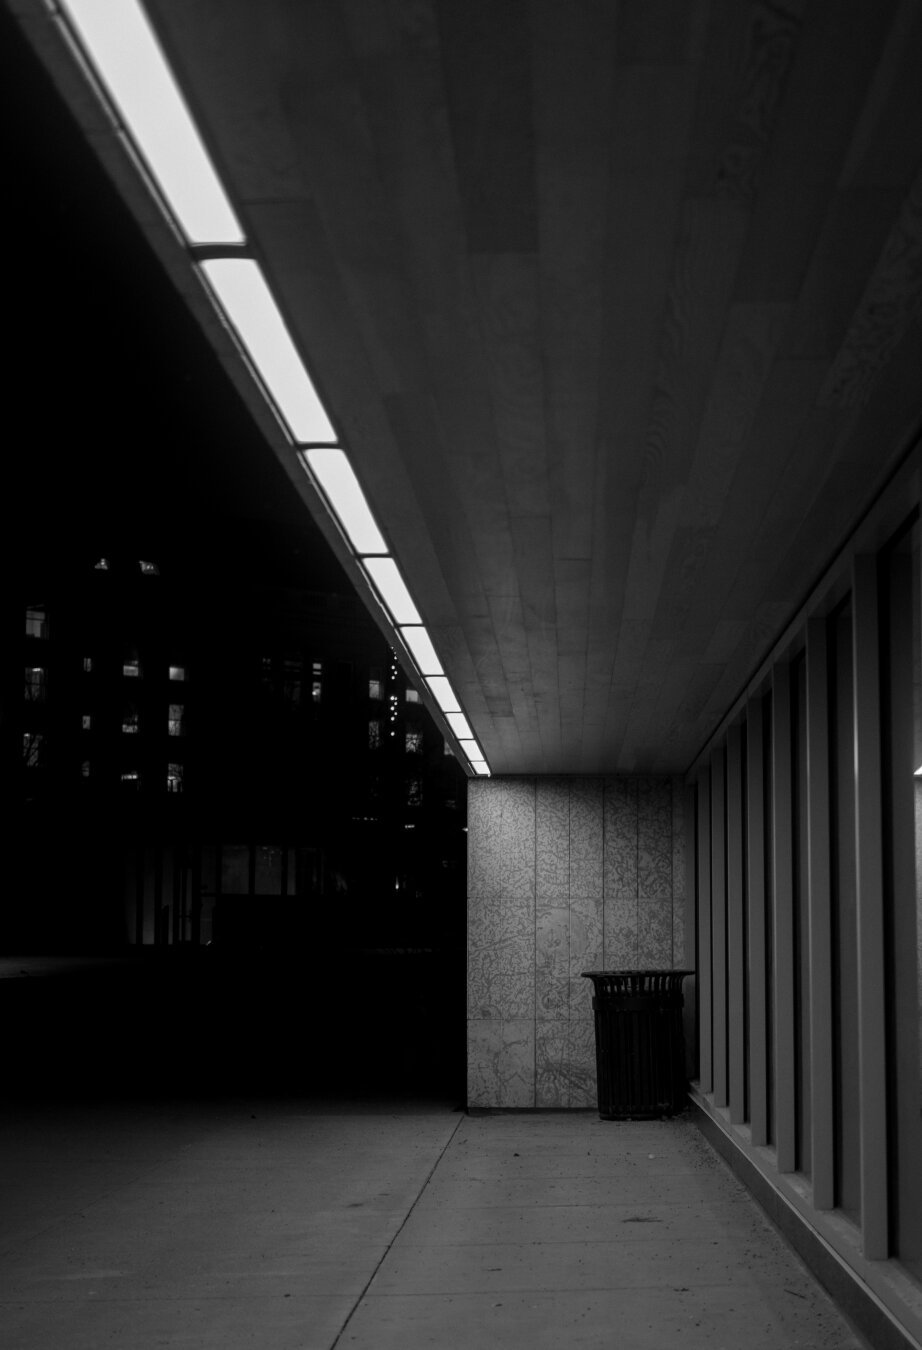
(365, 1225)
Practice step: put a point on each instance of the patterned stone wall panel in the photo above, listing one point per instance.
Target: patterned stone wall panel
(654, 933)
(581, 1072)
(516, 934)
(552, 936)
(678, 839)
(621, 951)
(586, 836)
(552, 995)
(518, 836)
(552, 838)
(654, 837)
(484, 837)
(551, 1070)
(501, 1063)
(680, 958)
(587, 950)
(483, 993)
(517, 996)
(620, 840)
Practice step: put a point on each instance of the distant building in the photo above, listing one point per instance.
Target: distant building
(245, 764)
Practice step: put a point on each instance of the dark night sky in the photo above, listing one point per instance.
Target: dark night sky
(124, 432)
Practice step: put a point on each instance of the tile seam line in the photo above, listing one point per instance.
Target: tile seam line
(403, 1223)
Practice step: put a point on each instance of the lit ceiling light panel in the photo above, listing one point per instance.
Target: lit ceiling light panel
(248, 303)
(460, 726)
(443, 694)
(392, 589)
(473, 751)
(480, 766)
(126, 57)
(340, 486)
(421, 649)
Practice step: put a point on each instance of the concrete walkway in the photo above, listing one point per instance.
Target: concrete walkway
(313, 1225)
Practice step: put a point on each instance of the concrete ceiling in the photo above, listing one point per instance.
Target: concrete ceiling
(616, 307)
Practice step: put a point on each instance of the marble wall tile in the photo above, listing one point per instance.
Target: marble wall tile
(681, 959)
(678, 839)
(654, 837)
(586, 835)
(621, 933)
(552, 938)
(654, 933)
(483, 993)
(518, 836)
(551, 1064)
(586, 933)
(500, 997)
(484, 837)
(501, 1063)
(581, 1070)
(552, 995)
(552, 838)
(620, 838)
(517, 996)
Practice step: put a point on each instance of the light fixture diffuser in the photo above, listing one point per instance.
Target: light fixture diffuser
(128, 60)
(391, 587)
(460, 726)
(248, 303)
(472, 750)
(480, 766)
(421, 649)
(443, 694)
(335, 474)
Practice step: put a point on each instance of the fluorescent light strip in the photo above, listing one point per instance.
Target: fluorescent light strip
(248, 303)
(345, 498)
(128, 60)
(481, 766)
(421, 649)
(460, 726)
(443, 694)
(391, 587)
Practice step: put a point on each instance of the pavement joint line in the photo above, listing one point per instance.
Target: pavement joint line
(403, 1223)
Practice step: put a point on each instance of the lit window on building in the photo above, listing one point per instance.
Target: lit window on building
(174, 777)
(176, 719)
(316, 681)
(33, 749)
(131, 669)
(412, 696)
(130, 720)
(87, 664)
(414, 742)
(177, 672)
(375, 685)
(86, 722)
(36, 686)
(414, 792)
(149, 569)
(131, 778)
(374, 734)
(102, 565)
(36, 623)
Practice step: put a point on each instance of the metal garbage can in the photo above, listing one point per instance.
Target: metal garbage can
(639, 1042)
